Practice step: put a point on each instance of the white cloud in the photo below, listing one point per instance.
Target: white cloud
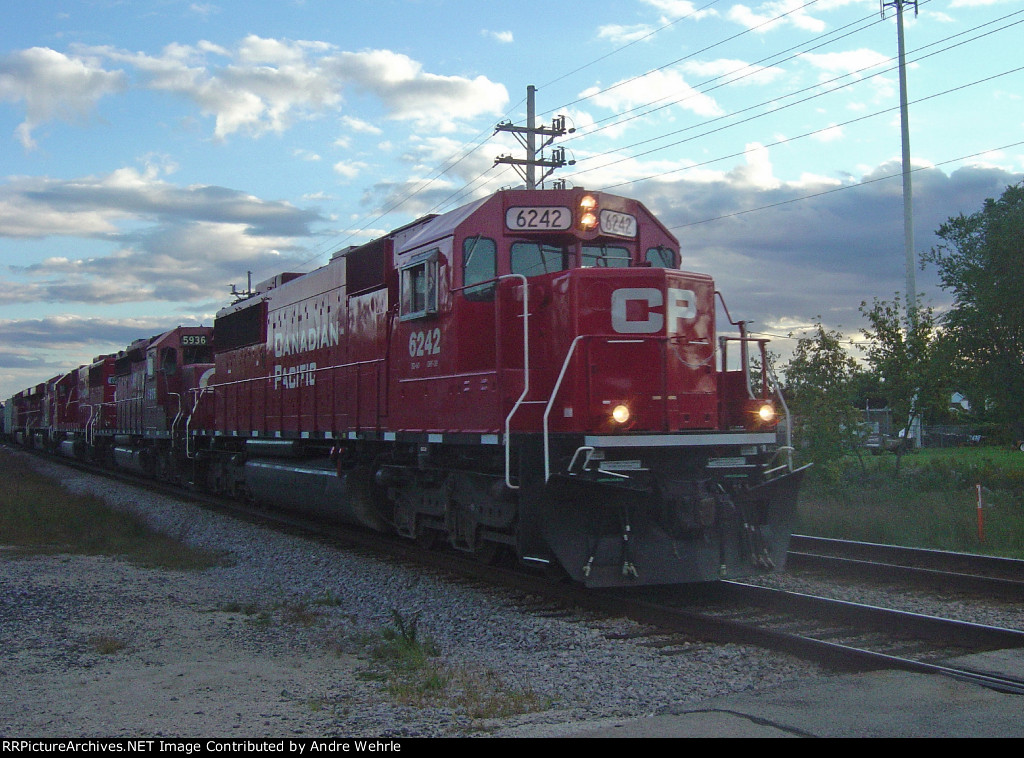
(679, 8)
(349, 169)
(504, 38)
(655, 86)
(757, 172)
(53, 85)
(770, 16)
(832, 134)
(149, 239)
(410, 94)
(619, 34)
(263, 85)
(848, 61)
(733, 71)
(360, 126)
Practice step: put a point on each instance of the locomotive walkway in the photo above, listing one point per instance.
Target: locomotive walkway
(872, 704)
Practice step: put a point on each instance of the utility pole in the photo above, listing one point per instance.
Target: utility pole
(914, 426)
(908, 201)
(527, 136)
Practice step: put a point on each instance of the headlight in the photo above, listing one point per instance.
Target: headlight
(766, 413)
(620, 414)
(588, 218)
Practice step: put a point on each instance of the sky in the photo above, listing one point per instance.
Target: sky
(153, 153)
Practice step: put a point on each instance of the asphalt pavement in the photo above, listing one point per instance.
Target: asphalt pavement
(892, 704)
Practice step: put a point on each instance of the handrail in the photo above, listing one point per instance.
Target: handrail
(788, 448)
(199, 392)
(90, 433)
(551, 401)
(526, 376)
(177, 416)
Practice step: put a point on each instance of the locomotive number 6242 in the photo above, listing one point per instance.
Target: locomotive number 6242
(540, 218)
(425, 343)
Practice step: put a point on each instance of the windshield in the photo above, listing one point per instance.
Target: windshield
(604, 255)
(536, 258)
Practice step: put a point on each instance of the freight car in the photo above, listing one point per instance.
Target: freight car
(531, 374)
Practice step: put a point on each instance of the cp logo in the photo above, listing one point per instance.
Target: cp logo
(644, 310)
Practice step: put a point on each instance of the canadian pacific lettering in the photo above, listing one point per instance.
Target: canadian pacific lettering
(292, 337)
(303, 375)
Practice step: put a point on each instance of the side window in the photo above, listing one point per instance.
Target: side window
(419, 287)
(662, 257)
(536, 258)
(169, 361)
(479, 264)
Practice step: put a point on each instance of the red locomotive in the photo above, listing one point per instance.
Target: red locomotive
(530, 373)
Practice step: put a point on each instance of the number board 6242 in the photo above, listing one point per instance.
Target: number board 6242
(540, 218)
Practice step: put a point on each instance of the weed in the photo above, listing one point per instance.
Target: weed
(249, 609)
(297, 612)
(106, 645)
(413, 673)
(328, 599)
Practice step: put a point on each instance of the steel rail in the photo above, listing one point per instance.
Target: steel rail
(993, 576)
(899, 554)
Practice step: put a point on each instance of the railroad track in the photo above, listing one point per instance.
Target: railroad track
(990, 576)
(837, 634)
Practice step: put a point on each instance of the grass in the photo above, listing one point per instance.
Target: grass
(38, 516)
(931, 501)
(106, 645)
(413, 673)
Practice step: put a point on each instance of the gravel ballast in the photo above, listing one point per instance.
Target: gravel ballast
(96, 647)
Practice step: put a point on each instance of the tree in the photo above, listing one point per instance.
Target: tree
(903, 351)
(981, 261)
(820, 389)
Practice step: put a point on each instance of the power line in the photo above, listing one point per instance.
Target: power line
(751, 71)
(840, 189)
(777, 109)
(647, 36)
(813, 132)
(749, 30)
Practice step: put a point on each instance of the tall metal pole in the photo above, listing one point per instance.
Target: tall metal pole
(531, 138)
(908, 194)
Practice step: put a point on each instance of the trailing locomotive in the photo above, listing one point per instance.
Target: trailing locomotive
(531, 373)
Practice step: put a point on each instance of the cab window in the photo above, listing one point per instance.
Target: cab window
(662, 257)
(419, 287)
(604, 256)
(479, 264)
(536, 258)
(169, 361)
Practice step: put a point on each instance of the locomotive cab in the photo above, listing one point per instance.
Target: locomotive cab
(558, 326)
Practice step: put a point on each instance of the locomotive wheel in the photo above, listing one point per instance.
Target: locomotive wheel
(489, 552)
(427, 538)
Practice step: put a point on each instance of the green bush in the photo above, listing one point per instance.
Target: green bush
(930, 501)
